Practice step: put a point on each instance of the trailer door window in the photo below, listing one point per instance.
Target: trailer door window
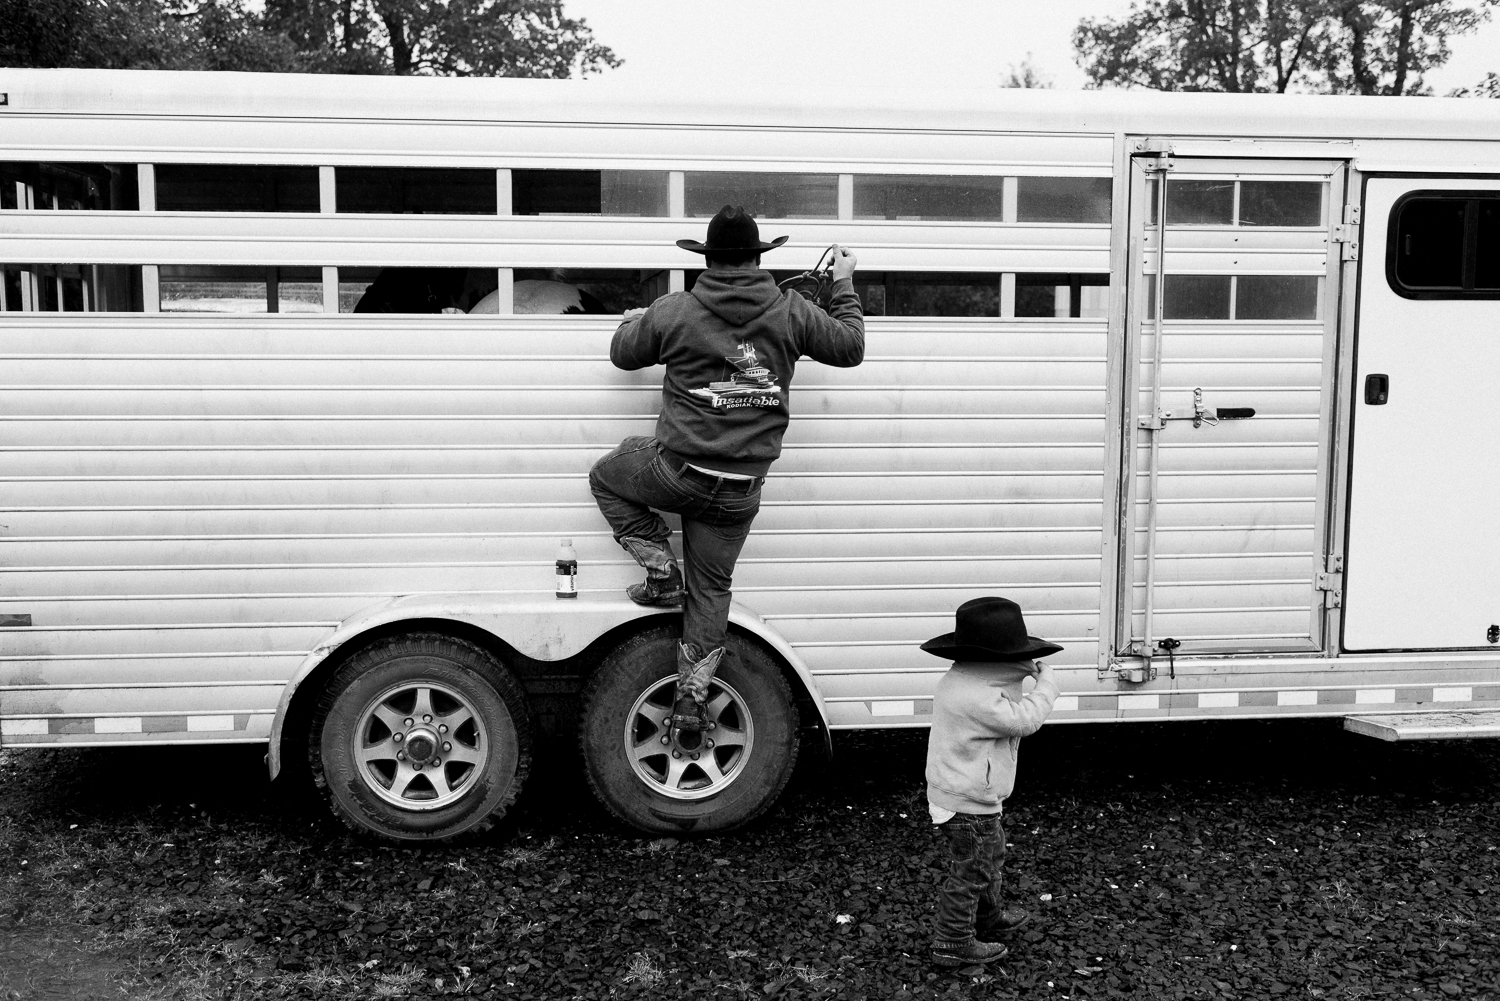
(1445, 245)
(1281, 203)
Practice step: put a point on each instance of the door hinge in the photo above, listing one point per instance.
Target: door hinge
(1157, 153)
(1331, 583)
(1134, 672)
(1347, 237)
(1351, 215)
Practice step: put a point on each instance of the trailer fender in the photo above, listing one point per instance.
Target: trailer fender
(542, 629)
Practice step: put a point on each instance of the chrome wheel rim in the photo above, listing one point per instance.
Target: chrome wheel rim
(679, 769)
(420, 745)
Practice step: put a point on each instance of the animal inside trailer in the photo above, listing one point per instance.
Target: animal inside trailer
(1146, 364)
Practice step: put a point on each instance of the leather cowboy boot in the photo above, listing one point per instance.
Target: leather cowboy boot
(695, 670)
(663, 583)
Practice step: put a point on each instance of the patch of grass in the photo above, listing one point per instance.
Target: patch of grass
(644, 971)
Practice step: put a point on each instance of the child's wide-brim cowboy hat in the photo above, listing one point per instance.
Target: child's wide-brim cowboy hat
(989, 629)
(732, 230)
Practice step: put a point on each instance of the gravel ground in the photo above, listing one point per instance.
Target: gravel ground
(1225, 860)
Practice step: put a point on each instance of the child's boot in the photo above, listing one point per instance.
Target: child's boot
(1006, 921)
(971, 953)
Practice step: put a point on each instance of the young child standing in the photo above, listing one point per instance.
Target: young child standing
(979, 716)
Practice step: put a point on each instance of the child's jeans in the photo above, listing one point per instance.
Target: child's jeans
(970, 893)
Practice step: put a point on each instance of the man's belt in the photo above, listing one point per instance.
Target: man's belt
(724, 484)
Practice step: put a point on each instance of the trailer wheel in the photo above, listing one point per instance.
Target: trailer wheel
(662, 785)
(420, 737)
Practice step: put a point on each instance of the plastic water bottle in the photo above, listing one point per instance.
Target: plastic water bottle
(567, 570)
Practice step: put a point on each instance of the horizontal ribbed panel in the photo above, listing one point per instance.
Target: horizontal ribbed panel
(198, 501)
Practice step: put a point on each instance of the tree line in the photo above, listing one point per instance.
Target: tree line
(529, 38)
(1373, 47)
(1370, 47)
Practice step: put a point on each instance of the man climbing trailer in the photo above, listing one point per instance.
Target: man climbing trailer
(730, 346)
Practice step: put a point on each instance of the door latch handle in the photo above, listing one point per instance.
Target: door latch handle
(1377, 389)
(1199, 415)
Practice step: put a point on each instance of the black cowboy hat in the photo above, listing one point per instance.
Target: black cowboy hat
(989, 629)
(732, 230)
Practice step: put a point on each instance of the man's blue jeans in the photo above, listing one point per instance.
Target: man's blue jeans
(970, 894)
(716, 515)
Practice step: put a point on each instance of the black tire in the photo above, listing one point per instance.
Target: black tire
(642, 665)
(381, 680)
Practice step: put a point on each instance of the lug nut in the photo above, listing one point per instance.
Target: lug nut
(694, 755)
(426, 717)
(400, 755)
(397, 737)
(712, 725)
(417, 765)
(447, 747)
(442, 728)
(436, 762)
(710, 742)
(676, 754)
(408, 721)
(665, 739)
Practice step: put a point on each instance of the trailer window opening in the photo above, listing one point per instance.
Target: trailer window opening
(921, 197)
(597, 291)
(1230, 202)
(1236, 297)
(920, 293)
(240, 290)
(414, 290)
(1281, 203)
(1080, 296)
(1487, 246)
(1276, 297)
(765, 195)
(70, 288)
(1445, 245)
(189, 187)
(1064, 199)
(86, 187)
(416, 190)
(625, 193)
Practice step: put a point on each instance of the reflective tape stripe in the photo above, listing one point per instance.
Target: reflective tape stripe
(900, 707)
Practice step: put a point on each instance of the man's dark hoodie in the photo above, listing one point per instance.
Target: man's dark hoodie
(730, 347)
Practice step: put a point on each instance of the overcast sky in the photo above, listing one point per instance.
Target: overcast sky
(904, 43)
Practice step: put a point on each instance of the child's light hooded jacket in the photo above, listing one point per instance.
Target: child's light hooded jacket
(978, 719)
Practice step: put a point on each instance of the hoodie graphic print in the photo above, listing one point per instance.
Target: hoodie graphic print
(730, 347)
(750, 385)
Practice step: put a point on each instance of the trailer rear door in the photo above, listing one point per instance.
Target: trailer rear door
(1229, 407)
(1422, 569)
